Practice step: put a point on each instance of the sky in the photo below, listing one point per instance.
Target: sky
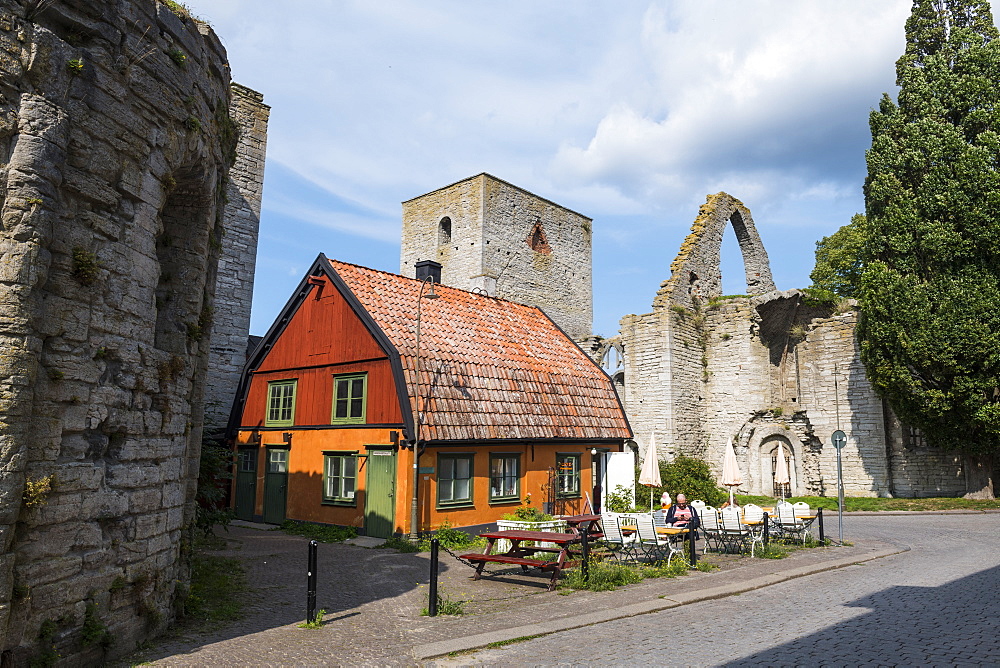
(630, 113)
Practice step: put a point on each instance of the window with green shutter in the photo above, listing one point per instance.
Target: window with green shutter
(349, 398)
(280, 403)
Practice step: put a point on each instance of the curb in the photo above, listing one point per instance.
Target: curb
(478, 641)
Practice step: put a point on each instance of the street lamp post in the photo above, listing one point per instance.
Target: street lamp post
(414, 503)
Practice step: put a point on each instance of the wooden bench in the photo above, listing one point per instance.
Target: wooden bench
(523, 562)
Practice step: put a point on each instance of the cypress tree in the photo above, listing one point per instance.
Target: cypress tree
(930, 287)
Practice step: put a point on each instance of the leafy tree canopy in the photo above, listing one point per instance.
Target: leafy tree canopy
(838, 260)
(930, 283)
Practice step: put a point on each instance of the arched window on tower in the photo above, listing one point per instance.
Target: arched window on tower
(444, 231)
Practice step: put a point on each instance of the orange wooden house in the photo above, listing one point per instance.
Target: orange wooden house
(512, 411)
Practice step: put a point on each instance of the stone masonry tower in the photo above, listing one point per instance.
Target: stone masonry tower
(237, 258)
(492, 236)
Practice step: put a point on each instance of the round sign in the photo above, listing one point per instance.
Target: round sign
(839, 439)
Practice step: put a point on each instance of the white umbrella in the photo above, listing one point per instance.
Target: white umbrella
(650, 473)
(731, 476)
(781, 471)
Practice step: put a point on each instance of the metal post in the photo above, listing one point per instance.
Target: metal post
(311, 583)
(585, 555)
(692, 553)
(840, 497)
(432, 605)
(767, 537)
(822, 536)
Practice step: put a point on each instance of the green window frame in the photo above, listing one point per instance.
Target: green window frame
(280, 411)
(350, 398)
(505, 476)
(454, 479)
(340, 478)
(567, 474)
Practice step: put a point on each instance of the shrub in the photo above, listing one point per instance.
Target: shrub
(527, 514)
(620, 500)
(691, 477)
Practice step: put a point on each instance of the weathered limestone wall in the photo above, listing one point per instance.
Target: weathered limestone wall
(766, 371)
(238, 258)
(115, 139)
(508, 242)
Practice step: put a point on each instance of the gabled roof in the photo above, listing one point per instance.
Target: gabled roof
(491, 369)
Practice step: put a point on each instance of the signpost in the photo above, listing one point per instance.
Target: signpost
(839, 439)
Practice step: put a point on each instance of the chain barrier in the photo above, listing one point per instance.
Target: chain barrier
(485, 570)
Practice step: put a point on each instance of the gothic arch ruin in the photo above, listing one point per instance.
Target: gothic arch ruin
(695, 272)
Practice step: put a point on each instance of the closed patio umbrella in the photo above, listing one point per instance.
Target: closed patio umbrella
(781, 471)
(731, 476)
(650, 473)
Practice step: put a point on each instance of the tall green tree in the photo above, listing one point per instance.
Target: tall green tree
(838, 260)
(930, 286)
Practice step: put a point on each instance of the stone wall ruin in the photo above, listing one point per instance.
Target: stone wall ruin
(766, 370)
(115, 144)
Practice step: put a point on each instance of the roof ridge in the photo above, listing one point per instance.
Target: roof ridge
(437, 285)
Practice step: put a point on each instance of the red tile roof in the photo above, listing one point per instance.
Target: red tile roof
(492, 369)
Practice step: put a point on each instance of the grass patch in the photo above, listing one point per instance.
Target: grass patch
(706, 567)
(447, 606)
(324, 533)
(315, 623)
(503, 643)
(604, 576)
(400, 545)
(772, 551)
(217, 586)
(857, 503)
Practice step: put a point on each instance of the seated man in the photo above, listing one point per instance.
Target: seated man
(681, 514)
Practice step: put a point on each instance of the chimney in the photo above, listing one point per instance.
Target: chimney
(430, 268)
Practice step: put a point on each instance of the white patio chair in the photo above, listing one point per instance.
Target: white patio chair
(659, 518)
(698, 505)
(734, 533)
(709, 527)
(621, 546)
(791, 526)
(652, 543)
(753, 520)
(802, 508)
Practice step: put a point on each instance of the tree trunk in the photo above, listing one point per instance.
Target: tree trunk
(979, 477)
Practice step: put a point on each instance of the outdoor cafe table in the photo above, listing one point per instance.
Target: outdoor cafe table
(518, 555)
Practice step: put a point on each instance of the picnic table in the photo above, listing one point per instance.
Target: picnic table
(522, 556)
(589, 524)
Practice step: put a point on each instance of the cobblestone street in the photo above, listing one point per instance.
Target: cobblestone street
(933, 605)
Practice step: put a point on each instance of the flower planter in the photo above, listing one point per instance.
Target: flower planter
(558, 526)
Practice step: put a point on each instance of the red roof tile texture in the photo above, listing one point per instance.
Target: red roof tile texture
(490, 368)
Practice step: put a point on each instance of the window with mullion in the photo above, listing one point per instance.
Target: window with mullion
(340, 478)
(568, 474)
(349, 398)
(505, 474)
(280, 404)
(454, 480)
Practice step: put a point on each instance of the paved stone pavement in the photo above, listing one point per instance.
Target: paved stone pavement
(936, 604)
(373, 599)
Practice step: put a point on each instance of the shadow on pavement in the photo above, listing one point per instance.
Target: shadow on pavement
(951, 624)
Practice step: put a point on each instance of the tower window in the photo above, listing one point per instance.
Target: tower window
(444, 231)
(537, 240)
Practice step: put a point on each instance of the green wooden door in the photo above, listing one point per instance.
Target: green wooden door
(380, 493)
(246, 483)
(275, 486)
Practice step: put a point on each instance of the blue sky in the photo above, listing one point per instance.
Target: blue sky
(630, 113)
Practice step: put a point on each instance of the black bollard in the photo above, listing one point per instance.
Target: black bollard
(432, 605)
(692, 534)
(822, 536)
(311, 583)
(767, 536)
(585, 555)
